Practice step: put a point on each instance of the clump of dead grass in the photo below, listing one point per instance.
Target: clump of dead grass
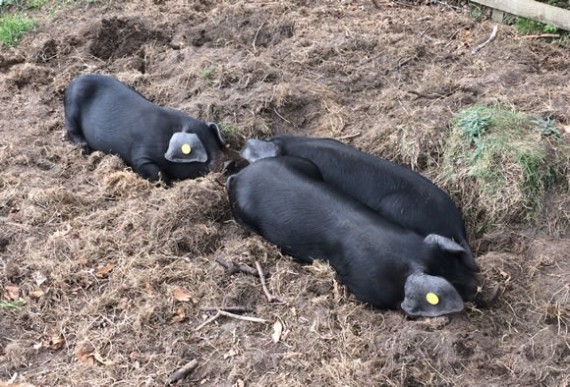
(501, 163)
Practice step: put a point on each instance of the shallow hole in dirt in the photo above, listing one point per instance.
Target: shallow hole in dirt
(120, 37)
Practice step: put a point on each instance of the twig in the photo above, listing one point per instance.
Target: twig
(402, 61)
(233, 309)
(349, 136)
(232, 315)
(14, 224)
(540, 36)
(183, 372)
(255, 37)
(270, 297)
(428, 96)
(283, 118)
(493, 36)
(233, 268)
(400, 3)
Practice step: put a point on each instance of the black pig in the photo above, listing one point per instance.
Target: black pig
(104, 114)
(284, 200)
(395, 192)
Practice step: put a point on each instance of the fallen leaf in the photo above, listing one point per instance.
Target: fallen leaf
(37, 294)
(84, 353)
(181, 294)
(277, 329)
(53, 341)
(39, 277)
(12, 292)
(567, 128)
(179, 316)
(465, 38)
(124, 303)
(102, 271)
(148, 289)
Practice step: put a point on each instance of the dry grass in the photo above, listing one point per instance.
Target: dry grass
(114, 271)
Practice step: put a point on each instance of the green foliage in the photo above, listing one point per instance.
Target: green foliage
(547, 127)
(5, 4)
(13, 23)
(12, 27)
(228, 128)
(473, 123)
(206, 74)
(33, 4)
(54, 5)
(527, 26)
(557, 3)
(476, 12)
(11, 304)
(507, 156)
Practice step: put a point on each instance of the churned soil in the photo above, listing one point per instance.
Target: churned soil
(104, 277)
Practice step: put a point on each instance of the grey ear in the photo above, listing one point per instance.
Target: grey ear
(257, 149)
(444, 243)
(216, 129)
(430, 296)
(186, 148)
(449, 245)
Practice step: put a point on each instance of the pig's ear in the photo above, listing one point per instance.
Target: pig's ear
(430, 296)
(449, 245)
(444, 243)
(186, 148)
(258, 149)
(218, 132)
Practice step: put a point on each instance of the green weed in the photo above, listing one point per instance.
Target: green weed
(33, 4)
(506, 160)
(527, 26)
(206, 74)
(12, 27)
(228, 128)
(11, 304)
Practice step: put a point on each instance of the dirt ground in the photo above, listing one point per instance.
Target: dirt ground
(114, 272)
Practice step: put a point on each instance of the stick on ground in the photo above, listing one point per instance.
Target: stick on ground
(232, 309)
(270, 297)
(493, 36)
(540, 36)
(255, 37)
(232, 315)
(233, 268)
(183, 372)
(348, 136)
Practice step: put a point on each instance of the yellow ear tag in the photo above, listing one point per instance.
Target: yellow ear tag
(186, 149)
(432, 298)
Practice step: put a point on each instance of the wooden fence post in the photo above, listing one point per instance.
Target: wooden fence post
(544, 13)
